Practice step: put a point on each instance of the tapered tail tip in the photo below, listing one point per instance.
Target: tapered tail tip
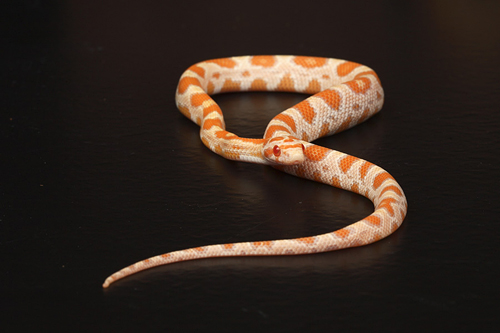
(107, 283)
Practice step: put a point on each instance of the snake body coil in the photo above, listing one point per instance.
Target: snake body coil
(343, 94)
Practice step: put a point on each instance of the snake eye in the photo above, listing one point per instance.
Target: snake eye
(303, 148)
(276, 151)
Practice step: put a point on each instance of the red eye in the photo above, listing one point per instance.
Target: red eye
(303, 148)
(276, 151)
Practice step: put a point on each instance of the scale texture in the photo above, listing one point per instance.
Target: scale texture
(343, 93)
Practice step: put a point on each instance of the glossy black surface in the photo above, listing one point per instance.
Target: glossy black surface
(99, 169)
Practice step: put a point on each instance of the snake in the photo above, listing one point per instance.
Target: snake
(341, 94)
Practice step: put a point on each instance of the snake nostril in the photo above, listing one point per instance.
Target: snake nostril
(276, 151)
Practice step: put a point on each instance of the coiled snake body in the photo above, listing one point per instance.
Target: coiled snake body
(343, 94)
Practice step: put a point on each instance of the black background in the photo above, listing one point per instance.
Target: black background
(99, 169)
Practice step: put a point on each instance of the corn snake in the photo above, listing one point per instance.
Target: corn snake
(343, 93)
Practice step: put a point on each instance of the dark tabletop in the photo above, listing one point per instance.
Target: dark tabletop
(100, 170)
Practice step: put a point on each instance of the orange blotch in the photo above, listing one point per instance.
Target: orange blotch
(287, 120)
(264, 61)
(386, 203)
(342, 233)
(212, 108)
(210, 88)
(166, 255)
(306, 110)
(307, 240)
(364, 169)
(246, 73)
(313, 87)
(300, 172)
(316, 153)
(380, 179)
(286, 84)
(198, 70)
(372, 219)
(274, 128)
(185, 82)
(225, 135)
(392, 188)
(209, 123)
(230, 85)
(325, 130)
(264, 243)
(347, 162)
(309, 62)
(223, 62)
(256, 141)
(199, 249)
(316, 177)
(228, 246)
(218, 150)
(199, 99)
(326, 77)
(184, 110)
(258, 85)
(355, 188)
(278, 138)
(335, 182)
(231, 155)
(346, 68)
(360, 85)
(216, 75)
(368, 73)
(331, 97)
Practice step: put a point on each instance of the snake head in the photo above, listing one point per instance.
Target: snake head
(286, 150)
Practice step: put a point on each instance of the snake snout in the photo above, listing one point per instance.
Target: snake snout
(284, 151)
